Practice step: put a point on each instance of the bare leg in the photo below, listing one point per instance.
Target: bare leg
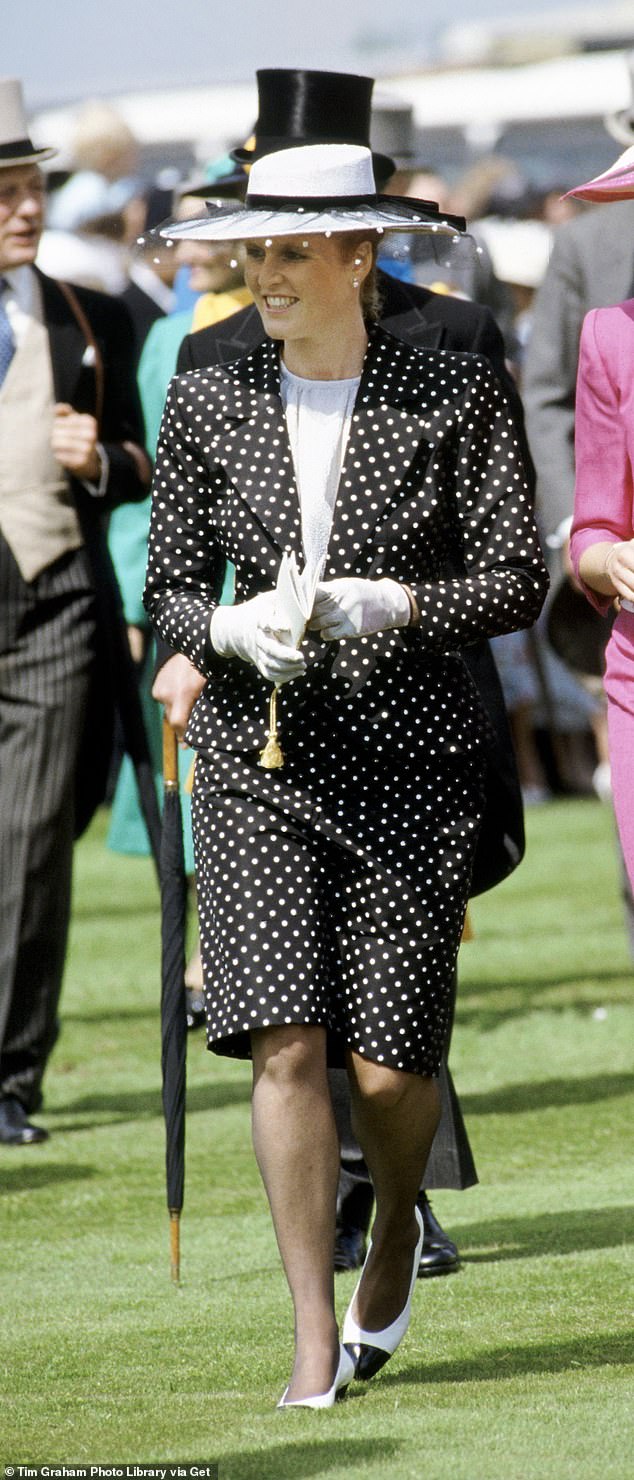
(297, 1151)
(394, 1116)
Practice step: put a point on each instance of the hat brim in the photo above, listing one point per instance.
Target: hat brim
(228, 185)
(35, 156)
(616, 183)
(244, 223)
(620, 126)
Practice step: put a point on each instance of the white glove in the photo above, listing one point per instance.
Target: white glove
(247, 631)
(351, 607)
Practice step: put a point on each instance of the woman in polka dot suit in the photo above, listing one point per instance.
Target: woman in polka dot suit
(332, 891)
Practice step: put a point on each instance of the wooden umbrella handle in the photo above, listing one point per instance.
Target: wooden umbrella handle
(175, 1245)
(170, 757)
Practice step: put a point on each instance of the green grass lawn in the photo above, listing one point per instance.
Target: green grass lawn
(515, 1368)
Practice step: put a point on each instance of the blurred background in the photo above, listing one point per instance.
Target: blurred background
(528, 81)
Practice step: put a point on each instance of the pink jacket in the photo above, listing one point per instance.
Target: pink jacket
(604, 434)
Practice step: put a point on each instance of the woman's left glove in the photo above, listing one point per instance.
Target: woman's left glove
(351, 607)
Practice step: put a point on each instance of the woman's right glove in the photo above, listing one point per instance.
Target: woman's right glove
(248, 631)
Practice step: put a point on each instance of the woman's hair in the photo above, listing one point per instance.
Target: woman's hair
(370, 298)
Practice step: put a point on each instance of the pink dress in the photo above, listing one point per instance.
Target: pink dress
(604, 510)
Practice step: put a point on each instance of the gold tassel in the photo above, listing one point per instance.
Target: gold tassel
(272, 757)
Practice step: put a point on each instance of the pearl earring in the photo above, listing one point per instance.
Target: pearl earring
(355, 282)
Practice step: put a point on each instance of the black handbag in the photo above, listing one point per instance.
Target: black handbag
(577, 632)
(501, 840)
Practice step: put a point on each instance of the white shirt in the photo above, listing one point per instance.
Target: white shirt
(22, 300)
(318, 415)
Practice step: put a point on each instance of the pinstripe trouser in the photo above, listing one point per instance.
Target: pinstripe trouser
(47, 632)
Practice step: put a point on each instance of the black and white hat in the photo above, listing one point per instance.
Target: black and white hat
(15, 144)
(318, 188)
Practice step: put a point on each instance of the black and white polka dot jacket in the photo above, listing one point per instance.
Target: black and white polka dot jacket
(432, 492)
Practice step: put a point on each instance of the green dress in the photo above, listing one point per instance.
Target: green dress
(128, 540)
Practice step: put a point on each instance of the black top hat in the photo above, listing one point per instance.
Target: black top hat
(299, 107)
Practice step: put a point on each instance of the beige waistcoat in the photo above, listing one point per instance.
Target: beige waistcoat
(37, 514)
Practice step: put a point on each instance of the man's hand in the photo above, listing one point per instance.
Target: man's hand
(137, 643)
(177, 686)
(74, 442)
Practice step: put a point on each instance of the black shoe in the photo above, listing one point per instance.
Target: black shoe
(195, 1002)
(15, 1127)
(349, 1248)
(440, 1255)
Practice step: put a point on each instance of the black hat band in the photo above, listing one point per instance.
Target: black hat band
(308, 202)
(21, 148)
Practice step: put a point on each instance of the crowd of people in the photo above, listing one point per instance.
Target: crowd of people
(360, 413)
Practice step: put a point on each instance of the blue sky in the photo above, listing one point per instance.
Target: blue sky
(68, 49)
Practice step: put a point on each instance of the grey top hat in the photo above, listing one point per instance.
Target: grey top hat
(620, 126)
(15, 144)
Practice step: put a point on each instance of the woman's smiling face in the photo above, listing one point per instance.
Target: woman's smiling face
(302, 286)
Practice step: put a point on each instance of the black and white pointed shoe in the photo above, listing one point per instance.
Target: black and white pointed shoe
(370, 1350)
(343, 1376)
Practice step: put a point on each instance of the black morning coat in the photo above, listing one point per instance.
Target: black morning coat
(460, 533)
(121, 421)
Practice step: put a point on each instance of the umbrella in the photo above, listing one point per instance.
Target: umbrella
(173, 1008)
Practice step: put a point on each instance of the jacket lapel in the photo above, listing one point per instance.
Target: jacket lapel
(416, 327)
(385, 436)
(254, 448)
(231, 338)
(252, 445)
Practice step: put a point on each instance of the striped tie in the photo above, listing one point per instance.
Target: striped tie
(7, 343)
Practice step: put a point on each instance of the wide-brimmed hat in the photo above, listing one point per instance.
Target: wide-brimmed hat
(88, 197)
(616, 183)
(320, 188)
(298, 107)
(15, 144)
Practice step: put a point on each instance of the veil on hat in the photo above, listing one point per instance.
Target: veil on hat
(320, 188)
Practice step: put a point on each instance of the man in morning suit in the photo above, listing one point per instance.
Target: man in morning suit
(309, 107)
(70, 448)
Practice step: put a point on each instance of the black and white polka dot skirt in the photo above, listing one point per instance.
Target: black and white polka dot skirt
(334, 895)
